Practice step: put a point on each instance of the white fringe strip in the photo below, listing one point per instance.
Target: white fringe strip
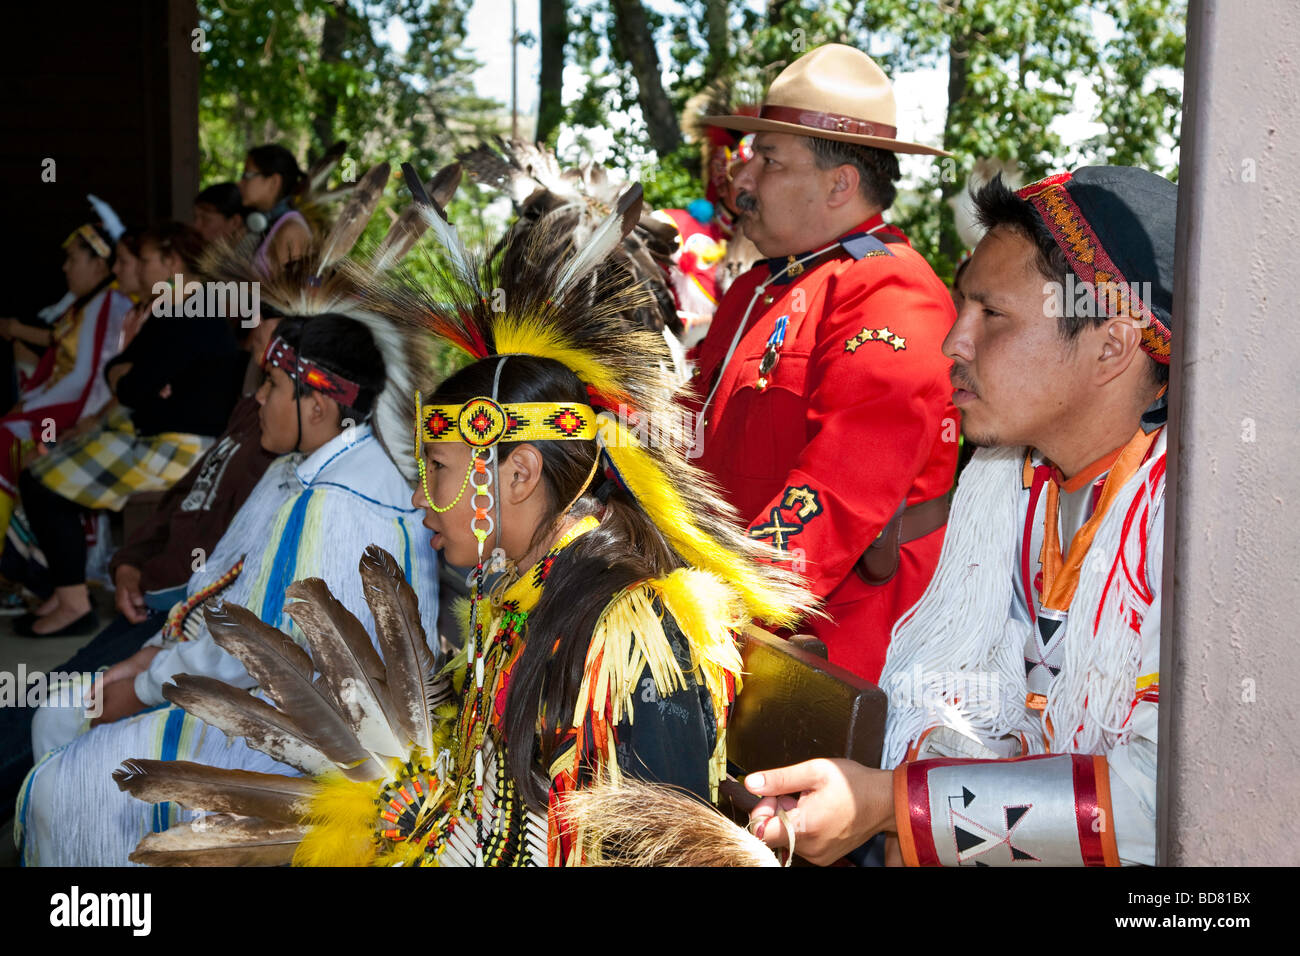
(963, 624)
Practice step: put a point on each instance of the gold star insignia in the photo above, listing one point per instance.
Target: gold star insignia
(852, 344)
(866, 335)
(898, 342)
(884, 334)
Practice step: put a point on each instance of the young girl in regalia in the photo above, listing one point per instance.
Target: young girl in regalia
(608, 586)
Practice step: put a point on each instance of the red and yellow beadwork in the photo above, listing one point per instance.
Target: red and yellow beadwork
(481, 422)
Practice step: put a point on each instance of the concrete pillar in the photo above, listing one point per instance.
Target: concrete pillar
(1230, 694)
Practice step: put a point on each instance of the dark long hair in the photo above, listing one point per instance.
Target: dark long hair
(274, 158)
(624, 549)
(177, 237)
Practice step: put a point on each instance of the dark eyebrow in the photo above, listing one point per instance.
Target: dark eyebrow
(764, 148)
(980, 296)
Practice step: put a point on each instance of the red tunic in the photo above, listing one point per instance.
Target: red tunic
(855, 416)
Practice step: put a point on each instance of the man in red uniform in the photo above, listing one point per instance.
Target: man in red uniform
(822, 385)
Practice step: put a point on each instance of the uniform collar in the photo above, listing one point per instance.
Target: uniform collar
(857, 242)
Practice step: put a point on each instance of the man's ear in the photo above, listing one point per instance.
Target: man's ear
(844, 185)
(521, 474)
(1121, 343)
(321, 409)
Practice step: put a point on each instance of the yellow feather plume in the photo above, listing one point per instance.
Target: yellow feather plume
(707, 610)
(657, 495)
(342, 818)
(532, 336)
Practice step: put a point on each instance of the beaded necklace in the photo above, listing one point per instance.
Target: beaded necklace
(476, 739)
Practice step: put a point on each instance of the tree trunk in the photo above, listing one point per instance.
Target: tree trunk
(715, 26)
(638, 48)
(332, 43)
(550, 99)
(950, 246)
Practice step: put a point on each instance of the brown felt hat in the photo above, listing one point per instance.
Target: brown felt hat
(831, 92)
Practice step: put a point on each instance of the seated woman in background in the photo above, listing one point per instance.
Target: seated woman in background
(271, 179)
(176, 384)
(67, 383)
(219, 212)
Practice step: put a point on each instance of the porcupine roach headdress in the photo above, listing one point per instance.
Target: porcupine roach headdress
(566, 309)
(326, 281)
(567, 206)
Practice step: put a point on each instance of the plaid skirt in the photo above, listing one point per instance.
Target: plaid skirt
(109, 464)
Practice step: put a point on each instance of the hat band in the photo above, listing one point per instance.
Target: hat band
(481, 422)
(830, 122)
(1089, 261)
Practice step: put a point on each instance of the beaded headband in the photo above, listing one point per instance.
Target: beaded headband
(1089, 260)
(92, 238)
(482, 422)
(285, 357)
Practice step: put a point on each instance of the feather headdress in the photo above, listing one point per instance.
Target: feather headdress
(330, 279)
(569, 308)
(567, 207)
(368, 733)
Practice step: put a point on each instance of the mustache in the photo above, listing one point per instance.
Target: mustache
(746, 202)
(960, 377)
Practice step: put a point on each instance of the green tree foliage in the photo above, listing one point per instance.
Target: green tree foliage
(1014, 67)
(299, 72)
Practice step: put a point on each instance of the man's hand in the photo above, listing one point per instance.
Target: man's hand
(128, 596)
(119, 701)
(834, 806)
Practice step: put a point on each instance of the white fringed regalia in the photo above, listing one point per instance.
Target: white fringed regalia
(309, 517)
(1024, 737)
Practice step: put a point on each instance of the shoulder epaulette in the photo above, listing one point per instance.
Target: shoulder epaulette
(865, 246)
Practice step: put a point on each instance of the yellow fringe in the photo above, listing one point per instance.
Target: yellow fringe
(707, 610)
(629, 639)
(656, 494)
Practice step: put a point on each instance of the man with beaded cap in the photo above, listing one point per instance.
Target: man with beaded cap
(826, 410)
(1024, 686)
